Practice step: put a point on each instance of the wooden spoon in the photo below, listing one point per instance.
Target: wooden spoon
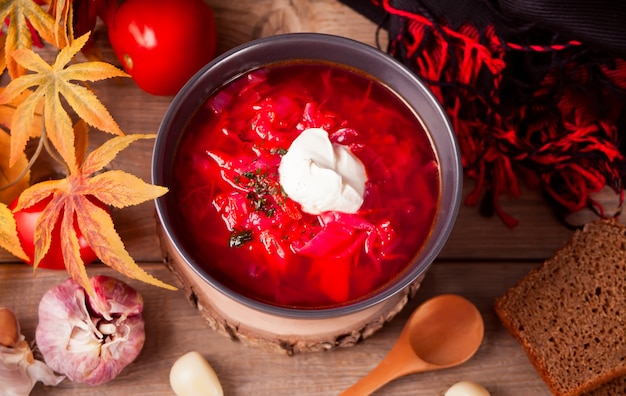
(443, 332)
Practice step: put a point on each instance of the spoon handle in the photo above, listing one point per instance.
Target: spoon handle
(397, 363)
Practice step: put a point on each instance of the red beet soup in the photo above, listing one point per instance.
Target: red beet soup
(244, 229)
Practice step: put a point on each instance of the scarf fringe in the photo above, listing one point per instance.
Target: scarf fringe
(552, 124)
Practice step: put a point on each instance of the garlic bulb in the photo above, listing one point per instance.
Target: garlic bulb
(19, 371)
(90, 340)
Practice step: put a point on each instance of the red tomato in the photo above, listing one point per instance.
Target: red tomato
(162, 43)
(26, 220)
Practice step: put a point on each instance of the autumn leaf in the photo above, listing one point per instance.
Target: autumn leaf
(13, 149)
(3, 60)
(80, 17)
(52, 82)
(13, 179)
(81, 140)
(7, 111)
(19, 36)
(73, 201)
(62, 11)
(8, 233)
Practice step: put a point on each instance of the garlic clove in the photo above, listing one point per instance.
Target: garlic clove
(192, 375)
(116, 298)
(467, 388)
(9, 327)
(90, 340)
(19, 370)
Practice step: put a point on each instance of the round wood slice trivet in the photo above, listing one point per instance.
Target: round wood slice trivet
(276, 333)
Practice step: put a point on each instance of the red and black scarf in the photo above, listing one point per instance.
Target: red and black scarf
(535, 90)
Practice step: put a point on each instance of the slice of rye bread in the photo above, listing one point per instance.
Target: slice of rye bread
(616, 387)
(569, 314)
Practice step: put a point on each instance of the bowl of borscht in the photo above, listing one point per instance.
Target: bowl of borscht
(312, 182)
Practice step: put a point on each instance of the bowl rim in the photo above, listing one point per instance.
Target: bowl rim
(231, 65)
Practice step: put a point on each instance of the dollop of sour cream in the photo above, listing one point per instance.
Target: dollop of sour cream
(322, 176)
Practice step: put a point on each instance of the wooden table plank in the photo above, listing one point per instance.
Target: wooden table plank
(173, 327)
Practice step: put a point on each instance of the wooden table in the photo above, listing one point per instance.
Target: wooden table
(480, 261)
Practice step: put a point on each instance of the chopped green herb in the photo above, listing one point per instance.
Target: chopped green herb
(239, 238)
(264, 192)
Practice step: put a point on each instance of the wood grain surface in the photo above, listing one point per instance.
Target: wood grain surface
(480, 261)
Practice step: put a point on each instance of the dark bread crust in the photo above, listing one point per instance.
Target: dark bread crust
(569, 314)
(616, 387)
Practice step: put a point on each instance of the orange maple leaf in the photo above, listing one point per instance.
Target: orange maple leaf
(53, 82)
(13, 179)
(8, 233)
(3, 60)
(19, 36)
(14, 176)
(73, 202)
(7, 111)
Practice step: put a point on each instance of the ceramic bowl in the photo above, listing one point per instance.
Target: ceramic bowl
(295, 329)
